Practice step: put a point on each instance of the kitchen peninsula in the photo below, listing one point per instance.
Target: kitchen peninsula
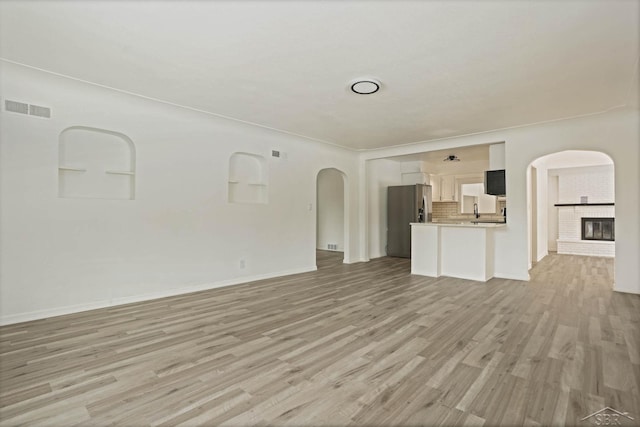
(459, 249)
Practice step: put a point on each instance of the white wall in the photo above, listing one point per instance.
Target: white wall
(531, 218)
(179, 234)
(541, 207)
(381, 174)
(330, 206)
(541, 228)
(552, 213)
(615, 133)
(595, 182)
(496, 156)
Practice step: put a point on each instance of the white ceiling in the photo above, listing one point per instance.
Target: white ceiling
(447, 68)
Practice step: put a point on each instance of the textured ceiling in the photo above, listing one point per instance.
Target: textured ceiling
(447, 68)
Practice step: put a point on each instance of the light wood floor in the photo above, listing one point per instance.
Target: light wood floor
(364, 344)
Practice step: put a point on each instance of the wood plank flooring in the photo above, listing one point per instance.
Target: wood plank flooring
(361, 344)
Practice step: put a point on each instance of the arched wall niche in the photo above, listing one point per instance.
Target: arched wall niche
(247, 178)
(95, 164)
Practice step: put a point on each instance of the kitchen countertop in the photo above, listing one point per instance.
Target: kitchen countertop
(460, 224)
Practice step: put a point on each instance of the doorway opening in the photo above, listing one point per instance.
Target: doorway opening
(564, 189)
(331, 217)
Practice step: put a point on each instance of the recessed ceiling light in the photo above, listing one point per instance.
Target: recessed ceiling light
(365, 86)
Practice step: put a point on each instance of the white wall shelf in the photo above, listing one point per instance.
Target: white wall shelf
(120, 172)
(67, 168)
(583, 204)
(259, 184)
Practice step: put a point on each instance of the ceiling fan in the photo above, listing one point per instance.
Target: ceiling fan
(451, 158)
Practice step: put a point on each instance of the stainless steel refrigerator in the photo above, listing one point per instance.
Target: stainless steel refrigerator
(405, 204)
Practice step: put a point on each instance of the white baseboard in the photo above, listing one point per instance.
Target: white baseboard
(524, 278)
(626, 290)
(354, 260)
(77, 308)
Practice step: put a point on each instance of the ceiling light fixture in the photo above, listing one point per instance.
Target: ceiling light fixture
(365, 86)
(451, 158)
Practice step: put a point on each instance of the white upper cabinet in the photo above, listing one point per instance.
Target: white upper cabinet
(435, 187)
(448, 188)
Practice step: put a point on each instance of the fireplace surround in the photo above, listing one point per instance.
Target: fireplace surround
(598, 229)
(571, 229)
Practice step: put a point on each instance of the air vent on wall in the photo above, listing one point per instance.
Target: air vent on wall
(16, 107)
(279, 154)
(24, 108)
(36, 110)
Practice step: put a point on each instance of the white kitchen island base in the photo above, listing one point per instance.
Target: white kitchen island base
(461, 250)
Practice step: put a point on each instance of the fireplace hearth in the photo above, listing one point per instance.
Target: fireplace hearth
(598, 229)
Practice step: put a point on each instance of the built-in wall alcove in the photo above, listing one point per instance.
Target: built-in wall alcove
(95, 163)
(247, 178)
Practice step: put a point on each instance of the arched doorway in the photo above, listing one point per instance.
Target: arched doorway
(331, 217)
(570, 205)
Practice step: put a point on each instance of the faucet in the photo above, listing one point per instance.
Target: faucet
(475, 210)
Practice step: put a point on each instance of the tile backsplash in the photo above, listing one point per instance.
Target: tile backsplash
(444, 210)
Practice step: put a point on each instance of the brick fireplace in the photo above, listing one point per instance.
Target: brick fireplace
(586, 229)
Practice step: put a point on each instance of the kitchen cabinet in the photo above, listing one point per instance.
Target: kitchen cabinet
(448, 188)
(435, 188)
(443, 188)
